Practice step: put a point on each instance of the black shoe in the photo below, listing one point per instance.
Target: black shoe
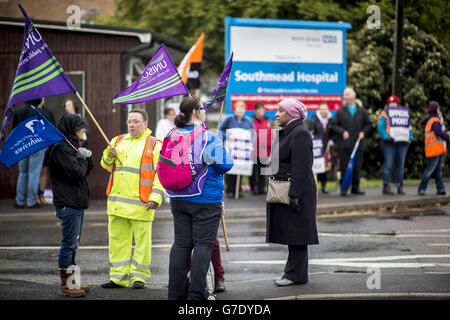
(230, 195)
(421, 193)
(325, 191)
(19, 206)
(111, 285)
(441, 193)
(138, 285)
(219, 287)
(358, 192)
(344, 192)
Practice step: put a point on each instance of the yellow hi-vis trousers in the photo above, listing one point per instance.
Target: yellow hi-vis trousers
(123, 267)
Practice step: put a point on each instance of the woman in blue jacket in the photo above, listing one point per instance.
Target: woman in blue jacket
(196, 209)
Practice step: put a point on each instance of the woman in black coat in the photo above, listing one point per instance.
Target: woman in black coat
(294, 224)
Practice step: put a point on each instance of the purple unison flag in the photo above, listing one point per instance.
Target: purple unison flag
(38, 73)
(160, 79)
(221, 89)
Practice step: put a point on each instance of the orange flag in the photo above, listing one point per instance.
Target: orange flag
(189, 68)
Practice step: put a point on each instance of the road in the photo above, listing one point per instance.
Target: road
(390, 255)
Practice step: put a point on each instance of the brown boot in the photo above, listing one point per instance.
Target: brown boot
(64, 290)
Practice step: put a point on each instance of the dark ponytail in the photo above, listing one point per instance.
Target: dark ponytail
(187, 106)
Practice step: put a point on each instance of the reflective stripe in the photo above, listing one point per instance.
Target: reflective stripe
(128, 169)
(140, 266)
(146, 182)
(119, 276)
(125, 200)
(157, 191)
(107, 163)
(433, 142)
(147, 167)
(137, 275)
(429, 134)
(119, 264)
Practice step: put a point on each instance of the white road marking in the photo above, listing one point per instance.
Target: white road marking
(438, 244)
(154, 246)
(364, 262)
(375, 235)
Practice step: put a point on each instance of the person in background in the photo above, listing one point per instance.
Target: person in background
(30, 167)
(319, 127)
(294, 224)
(237, 120)
(43, 179)
(69, 169)
(165, 125)
(70, 106)
(393, 151)
(435, 149)
(263, 148)
(350, 123)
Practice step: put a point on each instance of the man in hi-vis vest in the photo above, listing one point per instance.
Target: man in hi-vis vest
(134, 192)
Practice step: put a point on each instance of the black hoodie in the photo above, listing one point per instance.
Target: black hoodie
(69, 172)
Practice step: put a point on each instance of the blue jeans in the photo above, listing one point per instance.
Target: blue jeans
(28, 181)
(394, 154)
(71, 223)
(433, 169)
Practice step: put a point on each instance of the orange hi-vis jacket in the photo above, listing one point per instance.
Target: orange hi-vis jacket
(434, 146)
(134, 182)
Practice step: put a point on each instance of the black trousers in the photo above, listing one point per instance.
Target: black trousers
(257, 180)
(195, 226)
(344, 157)
(296, 268)
(230, 180)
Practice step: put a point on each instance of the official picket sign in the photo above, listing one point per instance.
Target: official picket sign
(278, 59)
(399, 122)
(241, 150)
(319, 156)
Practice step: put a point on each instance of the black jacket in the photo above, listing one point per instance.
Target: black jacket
(344, 121)
(68, 172)
(285, 225)
(25, 111)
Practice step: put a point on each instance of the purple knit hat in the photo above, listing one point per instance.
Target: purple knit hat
(294, 108)
(433, 107)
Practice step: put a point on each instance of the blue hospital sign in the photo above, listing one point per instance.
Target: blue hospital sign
(278, 59)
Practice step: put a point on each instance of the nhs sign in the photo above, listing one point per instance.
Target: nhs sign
(278, 59)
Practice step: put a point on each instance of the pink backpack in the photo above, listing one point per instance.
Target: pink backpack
(176, 169)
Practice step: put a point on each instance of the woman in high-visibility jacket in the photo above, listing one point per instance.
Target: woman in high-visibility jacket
(394, 145)
(134, 192)
(435, 149)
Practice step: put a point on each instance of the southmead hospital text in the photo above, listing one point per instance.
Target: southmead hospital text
(261, 76)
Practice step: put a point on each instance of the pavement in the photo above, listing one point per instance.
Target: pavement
(330, 204)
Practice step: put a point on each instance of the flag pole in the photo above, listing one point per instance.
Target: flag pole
(224, 227)
(95, 122)
(93, 119)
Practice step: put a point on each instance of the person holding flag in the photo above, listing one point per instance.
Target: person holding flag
(134, 190)
(394, 128)
(70, 165)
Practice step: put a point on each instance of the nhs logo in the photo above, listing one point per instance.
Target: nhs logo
(327, 38)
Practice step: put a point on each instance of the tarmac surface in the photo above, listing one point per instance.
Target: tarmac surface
(371, 247)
